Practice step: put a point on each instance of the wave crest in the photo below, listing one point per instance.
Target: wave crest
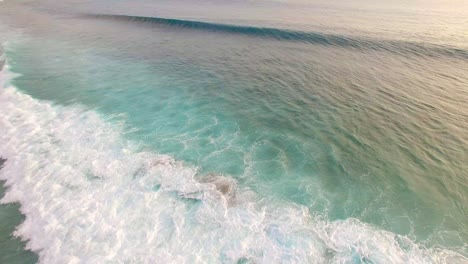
(357, 43)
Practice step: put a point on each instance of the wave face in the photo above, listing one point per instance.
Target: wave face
(398, 47)
(125, 205)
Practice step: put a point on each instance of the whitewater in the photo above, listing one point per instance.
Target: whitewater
(154, 131)
(124, 205)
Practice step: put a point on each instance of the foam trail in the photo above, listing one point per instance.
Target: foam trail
(90, 197)
(393, 46)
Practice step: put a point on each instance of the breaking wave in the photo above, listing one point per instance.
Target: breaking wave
(91, 196)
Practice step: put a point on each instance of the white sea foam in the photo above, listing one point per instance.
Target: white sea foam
(89, 197)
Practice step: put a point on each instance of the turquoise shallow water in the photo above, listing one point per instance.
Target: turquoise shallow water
(317, 150)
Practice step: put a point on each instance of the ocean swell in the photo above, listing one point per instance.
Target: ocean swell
(89, 195)
(358, 43)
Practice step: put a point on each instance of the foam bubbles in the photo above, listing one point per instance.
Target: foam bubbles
(89, 196)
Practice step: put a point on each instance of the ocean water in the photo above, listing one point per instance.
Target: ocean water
(234, 131)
